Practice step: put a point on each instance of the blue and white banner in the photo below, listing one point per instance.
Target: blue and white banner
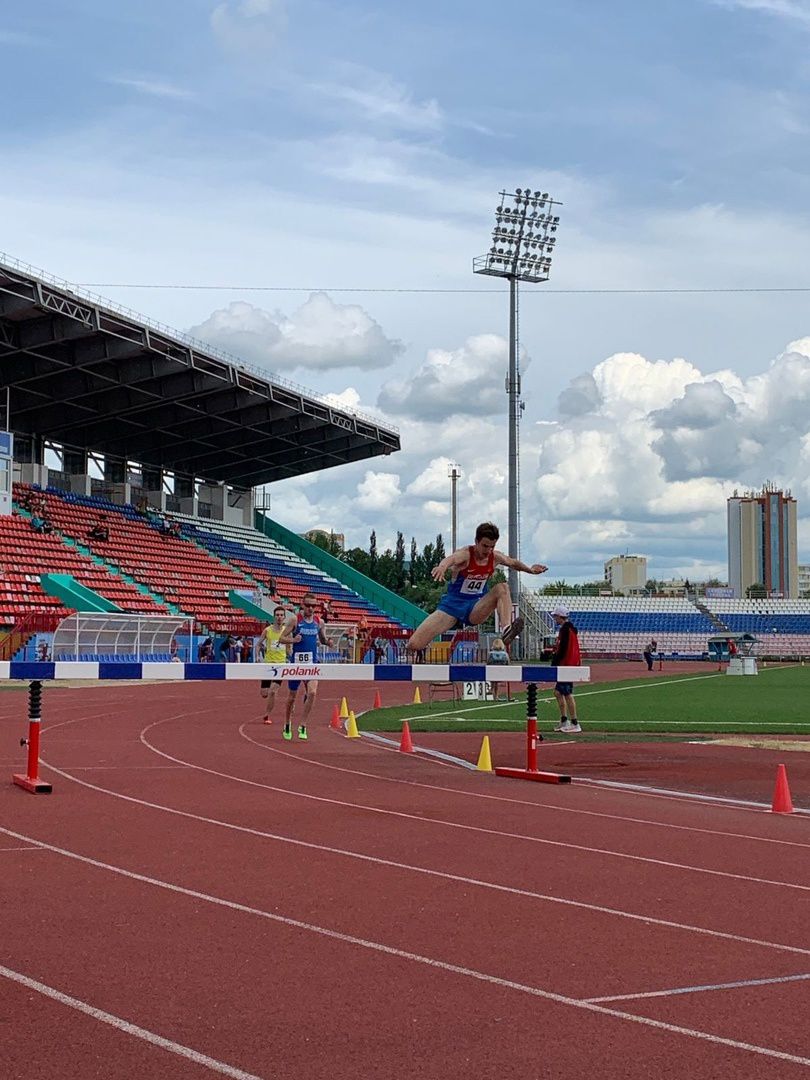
(159, 672)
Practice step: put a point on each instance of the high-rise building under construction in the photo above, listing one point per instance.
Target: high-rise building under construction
(762, 543)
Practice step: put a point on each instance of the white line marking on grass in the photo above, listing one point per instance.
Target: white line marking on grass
(417, 958)
(699, 989)
(124, 1025)
(375, 860)
(459, 825)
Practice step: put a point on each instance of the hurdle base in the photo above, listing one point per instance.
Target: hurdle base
(534, 774)
(36, 787)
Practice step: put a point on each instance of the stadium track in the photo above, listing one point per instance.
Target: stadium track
(535, 899)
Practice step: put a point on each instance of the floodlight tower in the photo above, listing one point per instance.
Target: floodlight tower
(454, 472)
(522, 245)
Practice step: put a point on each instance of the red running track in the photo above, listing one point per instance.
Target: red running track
(199, 898)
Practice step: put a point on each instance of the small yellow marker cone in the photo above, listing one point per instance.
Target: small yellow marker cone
(484, 757)
(344, 710)
(417, 697)
(351, 727)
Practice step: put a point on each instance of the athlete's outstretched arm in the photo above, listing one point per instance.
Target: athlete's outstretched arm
(457, 560)
(516, 564)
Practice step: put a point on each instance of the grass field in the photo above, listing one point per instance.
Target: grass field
(777, 701)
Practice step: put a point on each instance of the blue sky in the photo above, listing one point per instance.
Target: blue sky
(331, 146)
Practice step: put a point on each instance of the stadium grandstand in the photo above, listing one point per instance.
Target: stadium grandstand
(159, 442)
(129, 492)
(615, 626)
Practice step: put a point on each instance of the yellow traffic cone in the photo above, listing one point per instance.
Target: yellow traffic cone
(417, 697)
(351, 727)
(344, 710)
(484, 757)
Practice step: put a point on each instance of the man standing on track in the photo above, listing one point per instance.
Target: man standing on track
(271, 651)
(467, 600)
(305, 635)
(566, 654)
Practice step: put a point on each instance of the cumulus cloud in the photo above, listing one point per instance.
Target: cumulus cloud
(452, 382)
(320, 335)
(643, 441)
(378, 491)
(640, 459)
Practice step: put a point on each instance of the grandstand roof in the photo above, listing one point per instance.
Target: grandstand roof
(89, 375)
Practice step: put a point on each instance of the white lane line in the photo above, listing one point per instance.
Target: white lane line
(28, 848)
(700, 989)
(645, 789)
(375, 860)
(681, 796)
(440, 755)
(126, 1027)
(427, 961)
(566, 845)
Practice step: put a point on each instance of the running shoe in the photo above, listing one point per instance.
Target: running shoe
(287, 732)
(302, 732)
(512, 631)
(569, 727)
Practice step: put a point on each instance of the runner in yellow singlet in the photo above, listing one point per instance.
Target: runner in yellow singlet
(272, 653)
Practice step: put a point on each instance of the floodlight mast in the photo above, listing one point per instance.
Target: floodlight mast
(522, 245)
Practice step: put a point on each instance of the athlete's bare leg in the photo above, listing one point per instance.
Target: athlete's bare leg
(270, 693)
(497, 597)
(427, 630)
(311, 691)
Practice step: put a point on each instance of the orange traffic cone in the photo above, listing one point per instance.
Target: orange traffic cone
(405, 744)
(377, 700)
(782, 803)
(335, 721)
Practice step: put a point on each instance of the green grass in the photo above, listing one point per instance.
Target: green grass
(777, 701)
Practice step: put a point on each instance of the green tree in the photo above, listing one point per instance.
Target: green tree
(399, 564)
(756, 591)
(440, 552)
(413, 569)
(357, 558)
(372, 554)
(326, 542)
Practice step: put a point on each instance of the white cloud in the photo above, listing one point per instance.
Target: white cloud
(249, 26)
(155, 88)
(465, 381)
(378, 98)
(378, 491)
(792, 10)
(319, 335)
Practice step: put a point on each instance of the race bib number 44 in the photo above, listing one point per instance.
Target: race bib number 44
(473, 586)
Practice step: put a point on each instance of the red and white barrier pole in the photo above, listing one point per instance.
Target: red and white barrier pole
(31, 781)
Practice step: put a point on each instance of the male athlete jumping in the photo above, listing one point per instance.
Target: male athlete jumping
(467, 600)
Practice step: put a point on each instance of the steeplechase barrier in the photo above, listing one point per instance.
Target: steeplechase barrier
(37, 672)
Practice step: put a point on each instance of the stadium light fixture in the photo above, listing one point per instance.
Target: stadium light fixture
(454, 472)
(522, 246)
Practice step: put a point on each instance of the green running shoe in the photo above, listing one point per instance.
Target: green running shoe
(287, 732)
(302, 732)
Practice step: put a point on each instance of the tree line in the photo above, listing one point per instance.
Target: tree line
(405, 572)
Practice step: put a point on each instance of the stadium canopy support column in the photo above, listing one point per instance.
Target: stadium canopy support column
(531, 772)
(31, 782)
